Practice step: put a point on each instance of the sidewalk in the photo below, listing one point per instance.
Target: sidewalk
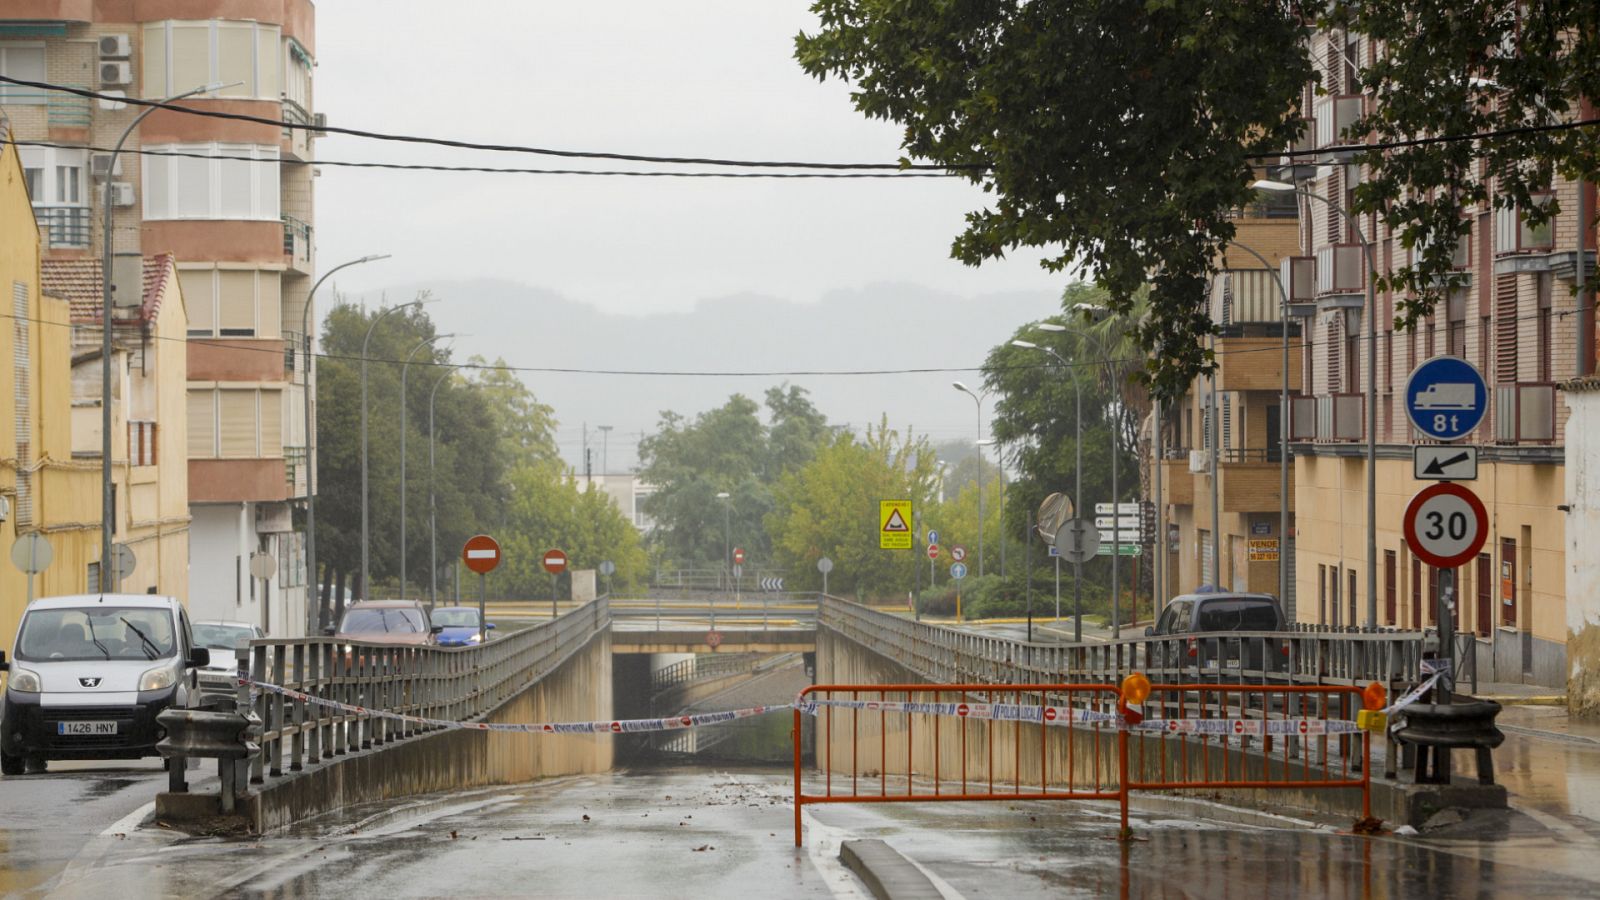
(1513, 694)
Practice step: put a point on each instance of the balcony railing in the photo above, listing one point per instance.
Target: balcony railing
(65, 226)
(1299, 278)
(67, 110)
(1512, 234)
(1302, 418)
(293, 351)
(1340, 417)
(297, 140)
(1334, 116)
(1341, 269)
(1250, 296)
(294, 470)
(1524, 412)
(297, 242)
(142, 443)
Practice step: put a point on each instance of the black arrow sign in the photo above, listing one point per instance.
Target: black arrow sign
(1439, 464)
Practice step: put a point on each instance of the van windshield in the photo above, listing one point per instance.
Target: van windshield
(99, 632)
(382, 619)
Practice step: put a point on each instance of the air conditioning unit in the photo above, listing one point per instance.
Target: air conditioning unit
(110, 101)
(319, 120)
(121, 193)
(99, 162)
(116, 73)
(116, 46)
(1199, 461)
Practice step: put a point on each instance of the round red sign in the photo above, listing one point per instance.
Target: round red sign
(738, 554)
(481, 553)
(1445, 525)
(714, 639)
(555, 562)
(933, 551)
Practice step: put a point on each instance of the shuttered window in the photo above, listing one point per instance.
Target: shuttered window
(202, 424)
(199, 300)
(1335, 346)
(1505, 328)
(236, 419)
(271, 413)
(236, 303)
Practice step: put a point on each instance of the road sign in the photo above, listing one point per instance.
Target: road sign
(933, 538)
(1124, 524)
(262, 566)
(1445, 525)
(894, 524)
(1077, 540)
(738, 570)
(1054, 551)
(714, 639)
(1431, 462)
(32, 553)
(824, 565)
(933, 551)
(1123, 549)
(481, 553)
(772, 584)
(958, 571)
(555, 561)
(1126, 509)
(738, 554)
(958, 553)
(608, 568)
(1446, 398)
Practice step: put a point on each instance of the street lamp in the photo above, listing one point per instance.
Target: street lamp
(727, 533)
(404, 367)
(605, 451)
(366, 544)
(314, 604)
(1371, 392)
(977, 400)
(433, 504)
(108, 489)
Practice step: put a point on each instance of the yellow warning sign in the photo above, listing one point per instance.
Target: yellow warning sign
(894, 518)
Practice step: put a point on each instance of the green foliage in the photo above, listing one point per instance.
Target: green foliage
(830, 508)
(547, 510)
(1116, 133)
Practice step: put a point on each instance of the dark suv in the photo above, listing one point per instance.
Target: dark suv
(1203, 615)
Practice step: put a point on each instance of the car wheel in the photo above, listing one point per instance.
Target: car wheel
(11, 765)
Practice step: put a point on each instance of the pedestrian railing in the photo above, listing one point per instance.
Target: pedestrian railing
(704, 608)
(944, 654)
(321, 697)
(702, 667)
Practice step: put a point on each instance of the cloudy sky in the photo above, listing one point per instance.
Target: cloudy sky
(679, 79)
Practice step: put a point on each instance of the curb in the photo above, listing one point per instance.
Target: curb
(1538, 700)
(888, 874)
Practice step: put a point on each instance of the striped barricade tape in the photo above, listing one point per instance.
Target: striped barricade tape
(1062, 715)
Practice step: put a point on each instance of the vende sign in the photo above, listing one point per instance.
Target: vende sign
(481, 554)
(555, 561)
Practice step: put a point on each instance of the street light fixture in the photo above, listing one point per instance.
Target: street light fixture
(1371, 313)
(404, 368)
(366, 531)
(314, 602)
(977, 400)
(108, 489)
(727, 533)
(433, 503)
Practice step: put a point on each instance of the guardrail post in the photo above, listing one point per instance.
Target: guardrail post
(258, 673)
(297, 756)
(275, 707)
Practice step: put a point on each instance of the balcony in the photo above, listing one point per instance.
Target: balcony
(1177, 483)
(1251, 479)
(297, 250)
(296, 141)
(67, 112)
(1299, 274)
(1255, 362)
(1334, 116)
(1341, 270)
(1328, 418)
(142, 443)
(293, 353)
(64, 227)
(1512, 233)
(1524, 413)
(294, 470)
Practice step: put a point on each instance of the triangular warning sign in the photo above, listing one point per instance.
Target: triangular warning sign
(895, 522)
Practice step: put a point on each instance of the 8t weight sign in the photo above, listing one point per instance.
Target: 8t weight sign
(1445, 525)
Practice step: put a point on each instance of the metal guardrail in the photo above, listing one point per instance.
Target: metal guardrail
(949, 655)
(456, 683)
(706, 606)
(701, 667)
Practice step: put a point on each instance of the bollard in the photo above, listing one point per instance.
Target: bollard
(1443, 727)
(223, 736)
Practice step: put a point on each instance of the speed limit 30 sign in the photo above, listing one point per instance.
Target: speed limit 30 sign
(1445, 525)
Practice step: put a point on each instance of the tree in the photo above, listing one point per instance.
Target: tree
(547, 509)
(1122, 133)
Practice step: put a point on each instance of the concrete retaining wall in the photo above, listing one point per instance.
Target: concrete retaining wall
(579, 691)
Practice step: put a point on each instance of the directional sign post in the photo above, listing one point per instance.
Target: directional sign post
(481, 554)
(958, 553)
(1446, 398)
(554, 562)
(32, 554)
(894, 525)
(1077, 541)
(933, 537)
(1433, 462)
(958, 571)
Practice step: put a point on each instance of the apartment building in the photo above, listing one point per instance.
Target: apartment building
(231, 202)
(1516, 321)
(1222, 447)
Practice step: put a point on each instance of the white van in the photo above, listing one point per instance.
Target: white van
(88, 675)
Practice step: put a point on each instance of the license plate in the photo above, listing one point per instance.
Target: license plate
(86, 728)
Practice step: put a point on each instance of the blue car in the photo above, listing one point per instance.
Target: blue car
(460, 625)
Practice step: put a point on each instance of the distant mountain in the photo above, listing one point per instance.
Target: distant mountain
(880, 326)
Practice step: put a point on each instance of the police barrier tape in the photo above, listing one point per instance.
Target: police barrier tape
(1413, 695)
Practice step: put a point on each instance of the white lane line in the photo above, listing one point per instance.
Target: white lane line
(130, 821)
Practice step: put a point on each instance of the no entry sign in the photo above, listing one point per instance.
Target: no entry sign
(555, 561)
(1445, 525)
(481, 553)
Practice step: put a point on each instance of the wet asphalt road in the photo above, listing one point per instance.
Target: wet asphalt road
(713, 834)
(47, 819)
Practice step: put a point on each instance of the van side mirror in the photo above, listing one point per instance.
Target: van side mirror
(1149, 632)
(199, 657)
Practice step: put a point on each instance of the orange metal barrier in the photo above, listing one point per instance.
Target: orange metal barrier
(1089, 745)
(961, 721)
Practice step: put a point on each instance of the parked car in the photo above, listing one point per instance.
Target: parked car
(460, 624)
(1198, 615)
(387, 622)
(88, 675)
(223, 639)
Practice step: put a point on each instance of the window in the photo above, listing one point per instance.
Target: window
(235, 423)
(296, 74)
(232, 302)
(202, 424)
(57, 179)
(183, 187)
(180, 55)
(1545, 326)
(1456, 324)
(24, 61)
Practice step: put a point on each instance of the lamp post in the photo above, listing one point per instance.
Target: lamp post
(108, 488)
(977, 400)
(433, 504)
(314, 603)
(605, 452)
(1371, 392)
(1283, 428)
(727, 533)
(404, 367)
(1077, 475)
(366, 530)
